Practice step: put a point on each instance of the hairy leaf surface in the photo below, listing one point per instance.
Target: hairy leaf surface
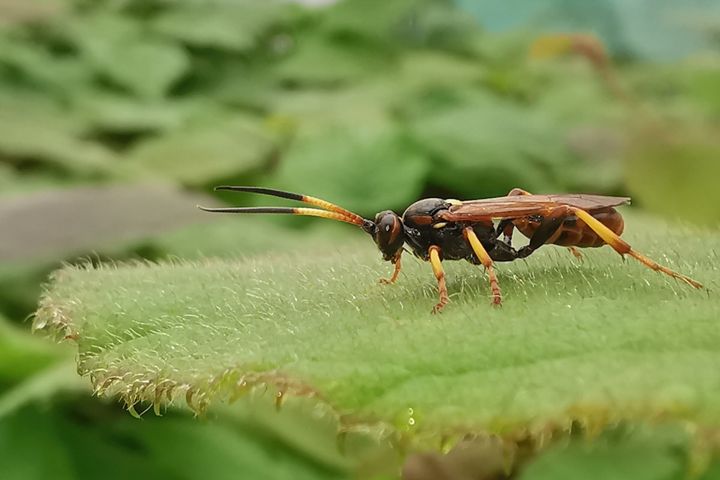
(595, 341)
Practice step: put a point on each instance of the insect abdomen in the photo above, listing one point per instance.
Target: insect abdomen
(573, 233)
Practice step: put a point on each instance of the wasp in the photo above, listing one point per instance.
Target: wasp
(479, 231)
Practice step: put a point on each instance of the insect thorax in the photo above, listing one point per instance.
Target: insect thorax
(424, 227)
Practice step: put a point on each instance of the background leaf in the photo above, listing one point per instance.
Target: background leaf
(38, 133)
(21, 354)
(672, 174)
(475, 155)
(642, 454)
(328, 61)
(222, 450)
(342, 158)
(208, 151)
(117, 48)
(236, 27)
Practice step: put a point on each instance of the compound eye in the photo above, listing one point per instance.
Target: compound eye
(388, 228)
(387, 224)
(388, 233)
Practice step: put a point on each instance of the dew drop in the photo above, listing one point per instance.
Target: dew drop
(411, 417)
(279, 398)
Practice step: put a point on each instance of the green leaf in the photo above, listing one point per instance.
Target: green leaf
(674, 172)
(486, 147)
(43, 386)
(424, 69)
(89, 440)
(571, 91)
(364, 170)
(439, 25)
(108, 113)
(13, 182)
(21, 354)
(20, 286)
(38, 68)
(21, 435)
(372, 18)
(231, 26)
(316, 112)
(206, 151)
(701, 87)
(595, 342)
(423, 23)
(645, 454)
(685, 92)
(249, 87)
(713, 471)
(217, 451)
(322, 60)
(35, 131)
(122, 51)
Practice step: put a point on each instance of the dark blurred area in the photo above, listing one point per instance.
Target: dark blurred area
(118, 116)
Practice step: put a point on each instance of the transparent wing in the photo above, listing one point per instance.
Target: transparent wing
(524, 205)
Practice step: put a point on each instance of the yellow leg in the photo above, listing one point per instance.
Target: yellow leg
(519, 191)
(396, 272)
(440, 276)
(622, 247)
(487, 263)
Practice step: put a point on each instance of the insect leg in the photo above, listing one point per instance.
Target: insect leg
(502, 252)
(487, 262)
(519, 191)
(623, 248)
(436, 264)
(396, 262)
(505, 228)
(552, 221)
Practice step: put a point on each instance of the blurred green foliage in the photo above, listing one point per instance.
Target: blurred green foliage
(200, 93)
(370, 103)
(637, 453)
(203, 92)
(171, 447)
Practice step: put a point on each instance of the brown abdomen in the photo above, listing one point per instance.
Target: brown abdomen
(574, 233)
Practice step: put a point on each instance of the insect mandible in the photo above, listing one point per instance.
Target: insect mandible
(437, 229)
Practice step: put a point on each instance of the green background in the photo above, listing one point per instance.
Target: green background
(117, 117)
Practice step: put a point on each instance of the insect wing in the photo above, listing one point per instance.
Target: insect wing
(524, 205)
